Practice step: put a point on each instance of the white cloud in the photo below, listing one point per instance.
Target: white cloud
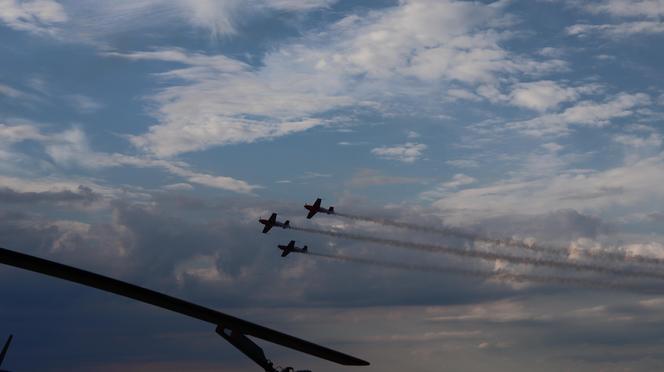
(653, 140)
(407, 153)
(368, 61)
(10, 92)
(585, 113)
(628, 8)
(70, 148)
(10, 134)
(463, 163)
(648, 13)
(83, 104)
(628, 185)
(371, 177)
(458, 180)
(299, 5)
(37, 16)
(178, 187)
(617, 30)
(546, 94)
(98, 21)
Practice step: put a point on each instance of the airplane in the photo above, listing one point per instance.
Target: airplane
(272, 222)
(292, 248)
(315, 208)
(4, 351)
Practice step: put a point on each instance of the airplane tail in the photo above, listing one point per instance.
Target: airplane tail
(331, 209)
(305, 249)
(5, 348)
(287, 224)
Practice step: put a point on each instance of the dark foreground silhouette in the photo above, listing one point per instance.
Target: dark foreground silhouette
(233, 329)
(4, 351)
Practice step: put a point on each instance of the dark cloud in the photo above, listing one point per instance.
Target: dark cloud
(211, 251)
(561, 225)
(84, 195)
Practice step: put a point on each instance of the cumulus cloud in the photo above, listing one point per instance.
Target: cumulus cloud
(458, 180)
(584, 113)
(617, 30)
(545, 94)
(653, 140)
(409, 152)
(643, 18)
(83, 195)
(463, 163)
(37, 16)
(626, 186)
(406, 50)
(627, 8)
(299, 5)
(372, 177)
(70, 148)
(83, 103)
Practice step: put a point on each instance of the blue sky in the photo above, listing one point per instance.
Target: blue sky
(144, 138)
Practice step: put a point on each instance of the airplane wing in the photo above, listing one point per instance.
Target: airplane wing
(90, 279)
(273, 218)
(266, 228)
(312, 212)
(5, 348)
(285, 253)
(317, 203)
(291, 244)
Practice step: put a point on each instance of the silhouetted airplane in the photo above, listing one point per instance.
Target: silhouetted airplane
(4, 352)
(232, 329)
(272, 222)
(313, 209)
(291, 248)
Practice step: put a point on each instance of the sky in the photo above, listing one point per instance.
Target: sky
(143, 139)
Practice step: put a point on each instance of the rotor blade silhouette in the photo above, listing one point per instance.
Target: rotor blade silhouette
(90, 279)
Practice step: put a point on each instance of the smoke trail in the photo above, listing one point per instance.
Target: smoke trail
(464, 234)
(491, 256)
(498, 275)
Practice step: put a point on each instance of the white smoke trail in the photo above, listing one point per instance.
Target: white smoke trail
(493, 275)
(460, 233)
(491, 256)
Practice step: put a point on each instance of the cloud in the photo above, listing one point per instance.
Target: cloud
(627, 8)
(617, 30)
(457, 181)
(226, 102)
(372, 177)
(36, 16)
(653, 140)
(407, 50)
(83, 104)
(625, 186)
(84, 195)
(584, 113)
(14, 93)
(545, 94)
(100, 23)
(178, 187)
(409, 152)
(463, 163)
(648, 12)
(70, 148)
(299, 5)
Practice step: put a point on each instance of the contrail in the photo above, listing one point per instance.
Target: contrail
(464, 234)
(490, 256)
(499, 275)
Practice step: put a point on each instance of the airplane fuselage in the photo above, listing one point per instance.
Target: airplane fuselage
(311, 208)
